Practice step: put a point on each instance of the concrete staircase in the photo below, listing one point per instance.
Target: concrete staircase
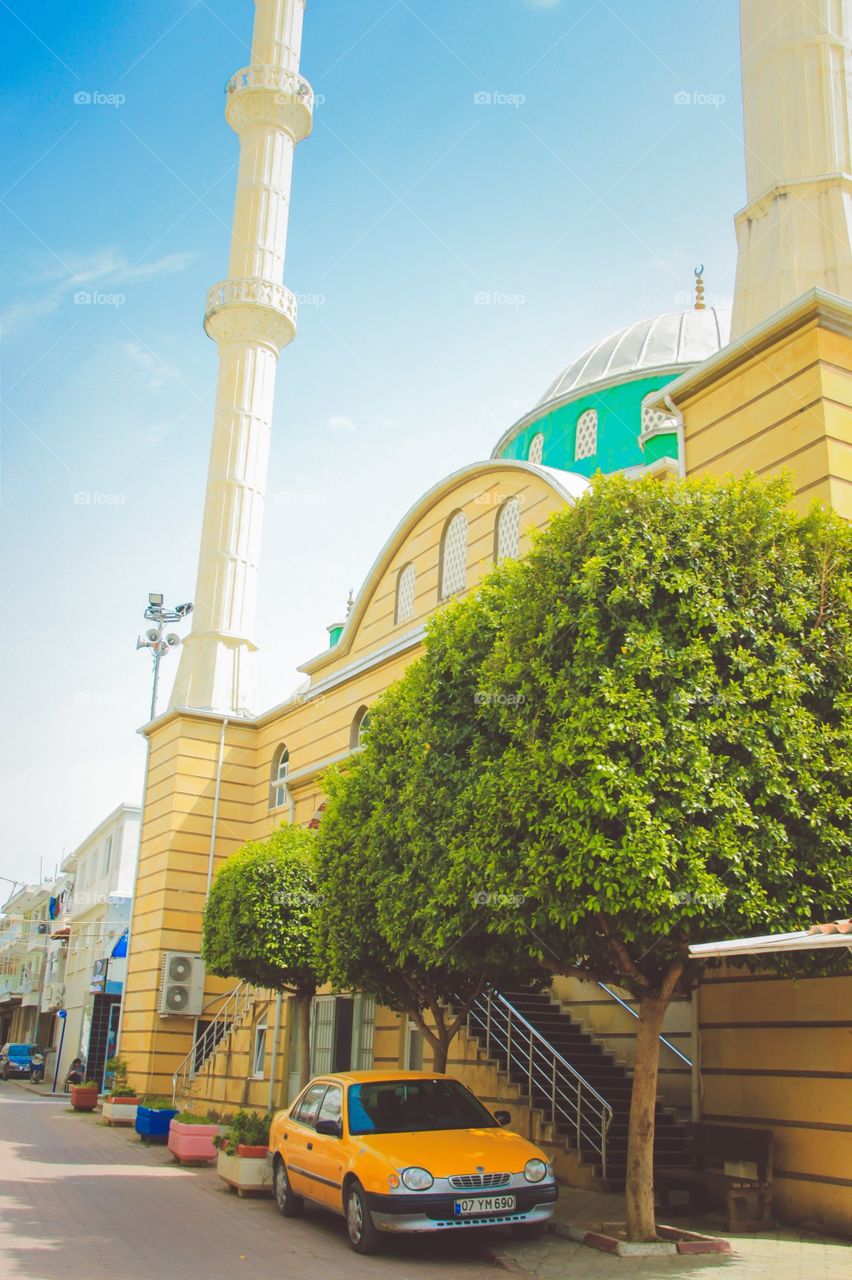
(610, 1079)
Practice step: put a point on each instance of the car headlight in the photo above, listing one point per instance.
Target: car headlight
(417, 1179)
(535, 1170)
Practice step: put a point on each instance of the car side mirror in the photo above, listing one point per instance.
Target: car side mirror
(503, 1117)
(329, 1128)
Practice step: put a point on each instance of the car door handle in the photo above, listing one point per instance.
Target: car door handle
(310, 1146)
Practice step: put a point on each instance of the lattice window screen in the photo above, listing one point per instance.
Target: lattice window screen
(508, 531)
(405, 584)
(536, 449)
(454, 556)
(586, 445)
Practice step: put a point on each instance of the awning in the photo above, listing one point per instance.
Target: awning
(837, 933)
(120, 948)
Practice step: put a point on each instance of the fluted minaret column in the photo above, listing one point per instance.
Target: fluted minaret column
(251, 316)
(796, 230)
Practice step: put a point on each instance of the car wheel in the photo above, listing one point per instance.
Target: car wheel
(360, 1227)
(289, 1204)
(529, 1230)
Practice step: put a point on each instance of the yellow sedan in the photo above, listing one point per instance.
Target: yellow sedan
(406, 1151)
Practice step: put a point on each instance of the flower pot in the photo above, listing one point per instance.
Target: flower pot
(153, 1123)
(192, 1143)
(246, 1174)
(84, 1097)
(119, 1110)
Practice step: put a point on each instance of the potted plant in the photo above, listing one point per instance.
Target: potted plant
(121, 1102)
(153, 1117)
(84, 1097)
(241, 1161)
(191, 1138)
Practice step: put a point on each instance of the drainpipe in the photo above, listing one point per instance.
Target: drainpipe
(216, 806)
(681, 434)
(275, 1033)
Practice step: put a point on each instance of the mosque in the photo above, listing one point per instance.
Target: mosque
(689, 393)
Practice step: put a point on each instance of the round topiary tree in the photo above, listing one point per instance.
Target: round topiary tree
(258, 922)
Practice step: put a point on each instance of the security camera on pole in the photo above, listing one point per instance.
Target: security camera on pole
(157, 639)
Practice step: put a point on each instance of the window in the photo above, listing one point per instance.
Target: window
(507, 531)
(586, 445)
(536, 449)
(280, 769)
(654, 420)
(405, 593)
(306, 1111)
(360, 728)
(454, 555)
(332, 1105)
(107, 855)
(259, 1055)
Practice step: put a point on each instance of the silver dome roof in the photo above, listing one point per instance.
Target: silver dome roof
(676, 338)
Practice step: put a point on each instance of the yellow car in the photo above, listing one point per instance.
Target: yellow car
(406, 1151)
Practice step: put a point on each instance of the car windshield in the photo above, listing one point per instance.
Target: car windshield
(408, 1106)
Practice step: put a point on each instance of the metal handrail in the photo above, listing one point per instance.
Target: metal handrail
(571, 1097)
(237, 1004)
(663, 1039)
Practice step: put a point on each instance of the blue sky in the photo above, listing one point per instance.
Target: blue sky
(535, 152)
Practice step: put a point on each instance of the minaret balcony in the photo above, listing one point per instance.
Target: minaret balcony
(251, 309)
(271, 96)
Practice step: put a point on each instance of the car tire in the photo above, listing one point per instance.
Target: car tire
(360, 1228)
(288, 1203)
(529, 1230)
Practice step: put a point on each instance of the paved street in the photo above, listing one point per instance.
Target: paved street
(78, 1199)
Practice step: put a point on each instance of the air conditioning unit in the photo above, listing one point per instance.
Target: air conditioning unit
(181, 985)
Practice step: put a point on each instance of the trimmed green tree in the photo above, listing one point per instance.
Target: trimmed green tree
(672, 678)
(258, 922)
(388, 820)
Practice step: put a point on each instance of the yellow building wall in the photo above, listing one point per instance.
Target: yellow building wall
(781, 403)
(316, 727)
(777, 1052)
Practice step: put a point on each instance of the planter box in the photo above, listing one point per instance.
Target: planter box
(192, 1143)
(84, 1099)
(119, 1110)
(247, 1174)
(153, 1124)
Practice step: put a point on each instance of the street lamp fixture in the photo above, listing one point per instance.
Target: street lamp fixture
(157, 639)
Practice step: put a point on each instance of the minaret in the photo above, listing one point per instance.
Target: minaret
(796, 230)
(251, 317)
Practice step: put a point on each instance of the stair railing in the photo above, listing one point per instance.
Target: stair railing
(613, 995)
(237, 1006)
(570, 1098)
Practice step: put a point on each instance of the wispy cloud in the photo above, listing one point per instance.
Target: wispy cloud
(155, 371)
(338, 423)
(108, 266)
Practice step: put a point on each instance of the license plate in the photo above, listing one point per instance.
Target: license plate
(484, 1204)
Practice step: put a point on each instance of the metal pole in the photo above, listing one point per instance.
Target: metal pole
(579, 1099)
(530, 1066)
(488, 1028)
(275, 1033)
(553, 1095)
(59, 1051)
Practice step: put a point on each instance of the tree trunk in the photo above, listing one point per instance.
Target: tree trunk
(641, 1220)
(303, 1001)
(439, 1054)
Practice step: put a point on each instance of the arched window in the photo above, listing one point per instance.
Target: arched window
(454, 555)
(586, 445)
(536, 449)
(405, 593)
(360, 728)
(507, 531)
(278, 784)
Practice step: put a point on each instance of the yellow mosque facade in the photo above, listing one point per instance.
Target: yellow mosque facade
(670, 395)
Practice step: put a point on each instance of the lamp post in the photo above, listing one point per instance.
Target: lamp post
(155, 639)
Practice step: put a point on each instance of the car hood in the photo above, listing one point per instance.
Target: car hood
(447, 1152)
